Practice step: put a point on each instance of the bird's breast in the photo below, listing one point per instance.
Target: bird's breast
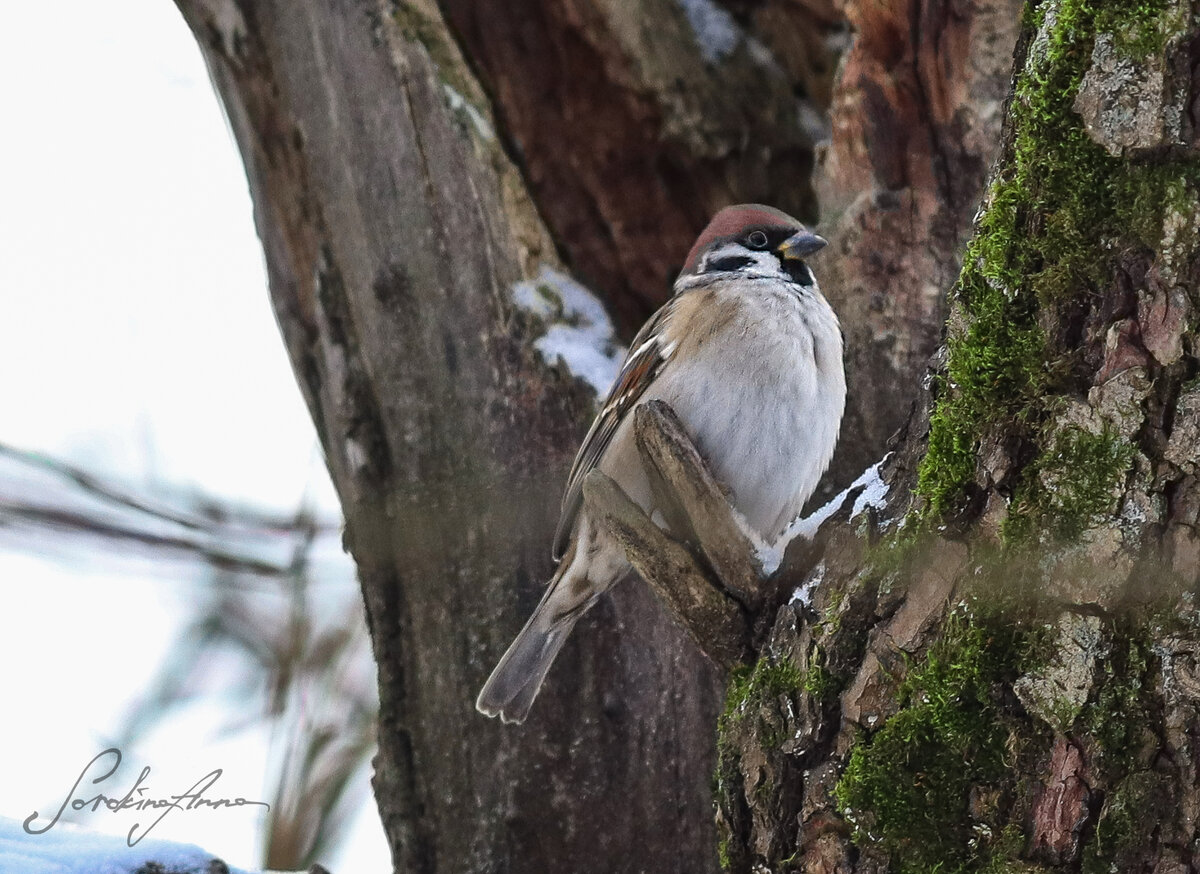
(762, 397)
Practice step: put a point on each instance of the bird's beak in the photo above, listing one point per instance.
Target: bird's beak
(800, 244)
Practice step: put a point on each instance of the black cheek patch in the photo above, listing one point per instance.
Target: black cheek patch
(729, 263)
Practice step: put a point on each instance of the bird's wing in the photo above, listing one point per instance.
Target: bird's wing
(647, 355)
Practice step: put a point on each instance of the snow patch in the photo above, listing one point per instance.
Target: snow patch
(769, 555)
(874, 492)
(68, 849)
(461, 105)
(803, 593)
(717, 33)
(579, 332)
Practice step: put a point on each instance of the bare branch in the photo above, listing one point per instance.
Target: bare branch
(44, 496)
(96, 486)
(69, 522)
(690, 495)
(207, 513)
(715, 622)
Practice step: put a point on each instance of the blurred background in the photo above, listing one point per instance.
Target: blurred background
(171, 573)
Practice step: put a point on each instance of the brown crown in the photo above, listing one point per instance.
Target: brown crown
(732, 221)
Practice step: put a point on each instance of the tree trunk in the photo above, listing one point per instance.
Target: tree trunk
(1044, 480)
(916, 117)
(396, 232)
(998, 669)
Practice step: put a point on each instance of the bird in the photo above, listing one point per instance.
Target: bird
(748, 353)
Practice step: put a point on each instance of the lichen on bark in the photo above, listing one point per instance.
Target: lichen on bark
(923, 786)
(1018, 678)
(1062, 217)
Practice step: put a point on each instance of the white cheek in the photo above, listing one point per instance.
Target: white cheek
(762, 264)
(767, 262)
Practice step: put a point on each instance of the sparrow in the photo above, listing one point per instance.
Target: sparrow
(748, 353)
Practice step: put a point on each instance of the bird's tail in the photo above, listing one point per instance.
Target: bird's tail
(510, 690)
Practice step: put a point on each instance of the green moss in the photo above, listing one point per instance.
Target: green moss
(766, 679)
(995, 364)
(750, 689)
(1139, 27)
(1004, 852)
(752, 694)
(1057, 207)
(831, 611)
(1133, 811)
(1123, 721)
(819, 683)
(906, 787)
(1148, 193)
(1072, 483)
(1125, 689)
(723, 852)
(932, 786)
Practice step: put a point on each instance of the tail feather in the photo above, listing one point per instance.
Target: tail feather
(581, 578)
(510, 690)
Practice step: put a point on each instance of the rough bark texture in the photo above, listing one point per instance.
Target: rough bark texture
(1004, 683)
(714, 621)
(1007, 682)
(916, 116)
(394, 228)
(635, 122)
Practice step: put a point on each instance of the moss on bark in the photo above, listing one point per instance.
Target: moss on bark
(907, 789)
(1057, 218)
(952, 781)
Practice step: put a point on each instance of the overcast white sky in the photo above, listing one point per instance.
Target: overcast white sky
(136, 338)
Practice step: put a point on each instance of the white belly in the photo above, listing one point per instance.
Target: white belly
(765, 418)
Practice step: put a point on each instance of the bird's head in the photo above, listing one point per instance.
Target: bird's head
(751, 241)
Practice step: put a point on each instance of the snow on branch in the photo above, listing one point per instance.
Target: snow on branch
(578, 329)
(869, 492)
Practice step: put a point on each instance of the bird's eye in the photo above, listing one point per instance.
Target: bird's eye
(757, 240)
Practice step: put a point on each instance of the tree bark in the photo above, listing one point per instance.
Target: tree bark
(635, 122)
(997, 668)
(916, 114)
(395, 229)
(958, 691)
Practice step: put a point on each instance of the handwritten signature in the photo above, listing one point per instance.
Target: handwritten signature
(137, 799)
